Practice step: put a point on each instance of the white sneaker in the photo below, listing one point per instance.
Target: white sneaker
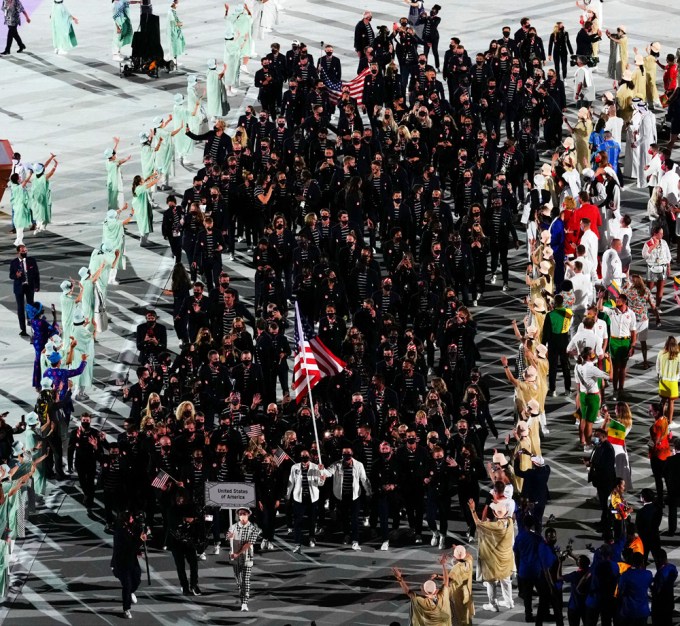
(490, 607)
(493, 279)
(244, 606)
(506, 605)
(441, 542)
(297, 549)
(367, 523)
(202, 556)
(474, 303)
(385, 546)
(435, 539)
(312, 543)
(356, 546)
(134, 598)
(216, 549)
(230, 257)
(263, 545)
(127, 614)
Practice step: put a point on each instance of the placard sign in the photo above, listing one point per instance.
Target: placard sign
(229, 495)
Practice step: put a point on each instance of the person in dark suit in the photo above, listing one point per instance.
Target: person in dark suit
(535, 487)
(127, 542)
(152, 338)
(602, 472)
(363, 34)
(216, 135)
(330, 65)
(23, 270)
(647, 522)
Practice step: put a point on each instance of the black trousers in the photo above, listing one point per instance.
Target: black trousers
(13, 33)
(557, 357)
(23, 297)
(130, 579)
(183, 554)
(499, 253)
(87, 472)
(561, 64)
(299, 510)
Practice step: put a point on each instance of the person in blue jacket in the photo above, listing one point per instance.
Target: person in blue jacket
(634, 586)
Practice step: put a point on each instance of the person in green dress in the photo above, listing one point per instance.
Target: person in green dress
(165, 157)
(67, 305)
(122, 35)
(175, 33)
(20, 201)
(87, 295)
(216, 94)
(114, 179)
(9, 490)
(84, 330)
(41, 194)
(113, 235)
(184, 146)
(141, 204)
(34, 437)
(63, 35)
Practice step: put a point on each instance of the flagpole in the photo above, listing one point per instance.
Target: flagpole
(301, 347)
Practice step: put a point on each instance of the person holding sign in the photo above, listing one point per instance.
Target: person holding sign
(242, 537)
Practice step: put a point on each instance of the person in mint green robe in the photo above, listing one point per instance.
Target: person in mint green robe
(114, 178)
(36, 446)
(141, 204)
(19, 198)
(216, 94)
(63, 34)
(175, 32)
(41, 194)
(184, 146)
(122, 35)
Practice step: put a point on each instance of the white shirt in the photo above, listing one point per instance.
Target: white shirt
(584, 77)
(654, 171)
(583, 290)
(359, 473)
(590, 241)
(658, 258)
(587, 375)
(314, 479)
(615, 126)
(622, 322)
(585, 338)
(612, 270)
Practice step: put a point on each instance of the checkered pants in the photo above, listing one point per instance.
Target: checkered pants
(242, 574)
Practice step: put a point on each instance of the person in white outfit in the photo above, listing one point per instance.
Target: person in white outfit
(657, 255)
(590, 242)
(653, 170)
(303, 487)
(349, 475)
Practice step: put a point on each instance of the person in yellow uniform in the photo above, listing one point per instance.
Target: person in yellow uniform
(496, 558)
(460, 587)
(668, 373)
(433, 608)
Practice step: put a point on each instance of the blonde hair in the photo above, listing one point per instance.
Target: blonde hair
(183, 406)
(244, 137)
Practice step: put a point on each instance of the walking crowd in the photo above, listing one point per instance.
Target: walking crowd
(381, 217)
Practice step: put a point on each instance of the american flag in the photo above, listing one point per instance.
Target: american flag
(254, 431)
(313, 360)
(279, 456)
(334, 87)
(161, 480)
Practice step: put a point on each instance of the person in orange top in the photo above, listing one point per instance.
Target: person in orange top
(659, 446)
(590, 211)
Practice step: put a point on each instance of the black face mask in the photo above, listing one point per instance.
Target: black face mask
(86, 426)
(347, 457)
(23, 255)
(411, 440)
(385, 455)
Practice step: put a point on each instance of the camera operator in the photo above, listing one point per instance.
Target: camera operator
(127, 543)
(185, 537)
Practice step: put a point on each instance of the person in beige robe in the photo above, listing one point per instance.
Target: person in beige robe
(496, 560)
(433, 608)
(460, 587)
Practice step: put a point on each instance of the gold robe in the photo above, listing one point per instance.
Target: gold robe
(460, 590)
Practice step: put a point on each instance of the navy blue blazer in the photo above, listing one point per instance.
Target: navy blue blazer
(32, 277)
